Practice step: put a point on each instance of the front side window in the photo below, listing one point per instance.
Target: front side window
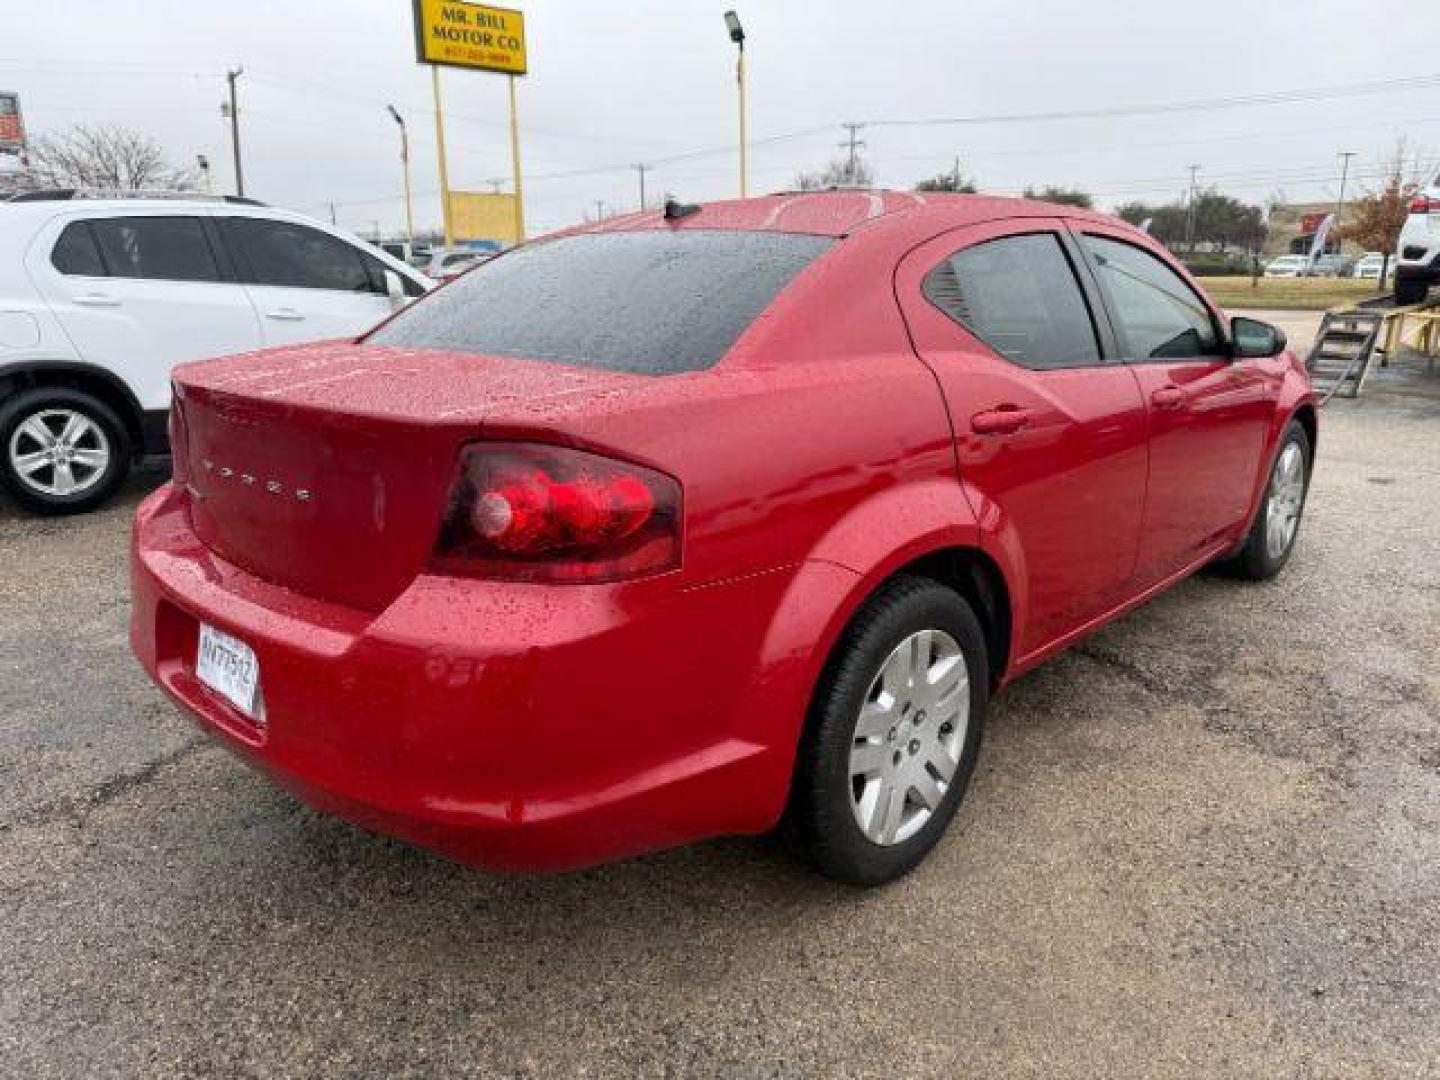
(156, 248)
(75, 252)
(296, 256)
(1160, 315)
(651, 302)
(1019, 295)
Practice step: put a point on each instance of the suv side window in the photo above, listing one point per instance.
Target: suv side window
(1159, 314)
(155, 248)
(75, 252)
(1020, 296)
(297, 256)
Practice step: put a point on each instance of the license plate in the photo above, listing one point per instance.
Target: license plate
(228, 666)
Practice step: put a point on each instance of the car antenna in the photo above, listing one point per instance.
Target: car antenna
(675, 210)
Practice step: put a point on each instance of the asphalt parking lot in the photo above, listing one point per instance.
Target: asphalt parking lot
(1206, 842)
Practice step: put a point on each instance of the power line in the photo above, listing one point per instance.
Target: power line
(1276, 97)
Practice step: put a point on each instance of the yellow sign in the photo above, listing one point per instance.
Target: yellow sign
(462, 34)
(475, 215)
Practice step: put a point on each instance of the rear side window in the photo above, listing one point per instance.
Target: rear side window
(75, 252)
(156, 248)
(1020, 296)
(1159, 314)
(650, 302)
(296, 256)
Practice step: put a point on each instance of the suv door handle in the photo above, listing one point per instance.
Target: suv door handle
(1168, 397)
(285, 314)
(95, 299)
(1002, 420)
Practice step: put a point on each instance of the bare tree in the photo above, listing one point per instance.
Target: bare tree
(838, 173)
(112, 158)
(1375, 219)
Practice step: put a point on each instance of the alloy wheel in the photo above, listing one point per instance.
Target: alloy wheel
(1287, 498)
(59, 452)
(909, 736)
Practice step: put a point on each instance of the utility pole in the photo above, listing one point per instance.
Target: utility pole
(1345, 156)
(230, 77)
(642, 169)
(332, 215)
(599, 209)
(1190, 214)
(851, 144)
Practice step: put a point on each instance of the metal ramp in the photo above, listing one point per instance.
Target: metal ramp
(1343, 350)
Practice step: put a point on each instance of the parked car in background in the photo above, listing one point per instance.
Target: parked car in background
(1369, 266)
(1331, 266)
(722, 516)
(101, 297)
(1287, 266)
(442, 264)
(403, 250)
(1417, 259)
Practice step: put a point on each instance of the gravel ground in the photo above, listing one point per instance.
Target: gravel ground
(1206, 842)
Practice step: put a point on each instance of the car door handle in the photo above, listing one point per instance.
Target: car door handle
(1001, 420)
(1168, 397)
(285, 314)
(95, 299)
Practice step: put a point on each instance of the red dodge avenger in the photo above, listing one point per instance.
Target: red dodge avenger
(706, 521)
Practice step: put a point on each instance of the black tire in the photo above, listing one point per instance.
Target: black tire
(1410, 290)
(1255, 560)
(821, 820)
(98, 486)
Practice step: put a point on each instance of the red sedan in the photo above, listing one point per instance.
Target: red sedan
(698, 522)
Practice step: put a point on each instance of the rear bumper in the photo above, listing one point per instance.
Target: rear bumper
(513, 727)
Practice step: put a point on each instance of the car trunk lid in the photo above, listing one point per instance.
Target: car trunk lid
(326, 469)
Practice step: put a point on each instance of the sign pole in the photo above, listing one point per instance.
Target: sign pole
(440, 150)
(515, 165)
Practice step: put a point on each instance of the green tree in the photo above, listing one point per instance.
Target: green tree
(952, 180)
(1064, 196)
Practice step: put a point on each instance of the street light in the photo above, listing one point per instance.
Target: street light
(737, 35)
(405, 165)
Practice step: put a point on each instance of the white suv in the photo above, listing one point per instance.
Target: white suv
(100, 298)
(1417, 257)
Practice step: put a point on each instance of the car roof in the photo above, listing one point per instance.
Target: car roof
(839, 212)
(48, 207)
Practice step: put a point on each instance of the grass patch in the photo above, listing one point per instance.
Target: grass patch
(1290, 294)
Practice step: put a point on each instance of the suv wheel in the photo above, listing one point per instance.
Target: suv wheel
(1410, 290)
(61, 451)
(893, 734)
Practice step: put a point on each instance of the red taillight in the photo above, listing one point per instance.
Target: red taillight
(527, 512)
(1423, 204)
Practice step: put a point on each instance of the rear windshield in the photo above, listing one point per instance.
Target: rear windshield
(654, 303)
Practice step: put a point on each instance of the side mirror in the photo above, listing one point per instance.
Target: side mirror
(1253, 340)
(395, 290)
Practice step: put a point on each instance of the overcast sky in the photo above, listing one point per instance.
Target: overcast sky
(629, 81)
